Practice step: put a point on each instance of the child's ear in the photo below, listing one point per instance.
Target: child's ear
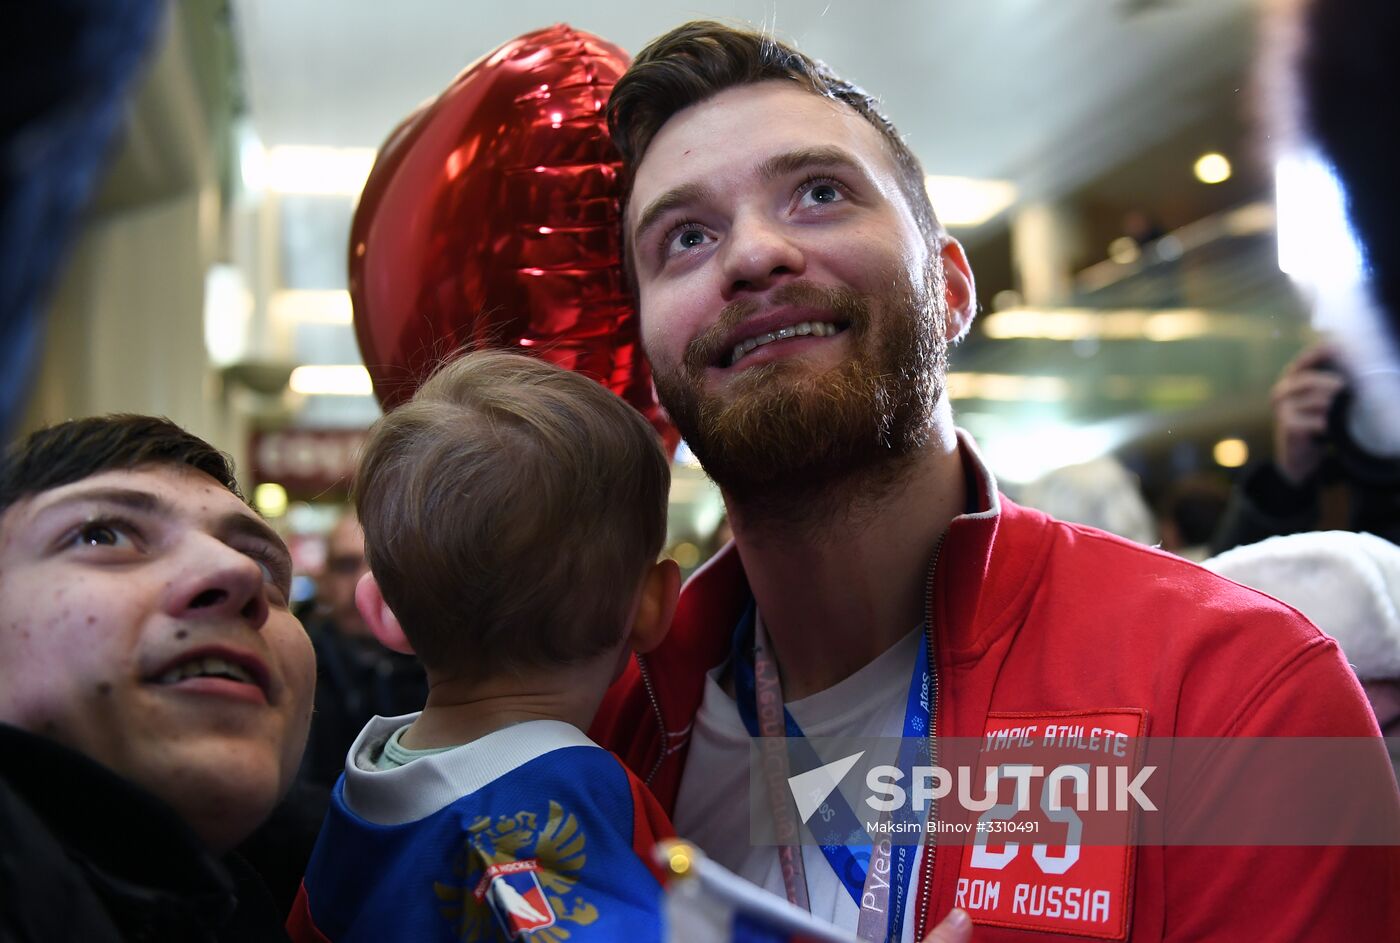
(379, 617)
(660, 588)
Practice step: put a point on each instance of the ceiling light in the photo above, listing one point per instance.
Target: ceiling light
(964, 202)
(338, 380)
(1212, 168)
(1068, 324)
(330, 306)
(1124, 250)
(228, 312)
(1063, 325)
(270, 499)
(252, 162)
(1176, 325)
(330, 171)
(1007, 387)
(1231, 453)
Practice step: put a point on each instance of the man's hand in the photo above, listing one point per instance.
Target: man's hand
(1301, 398)
(955, 928)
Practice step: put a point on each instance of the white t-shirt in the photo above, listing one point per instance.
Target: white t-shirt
(712, 807)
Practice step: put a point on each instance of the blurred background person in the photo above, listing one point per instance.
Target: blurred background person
(1101, 493)
(1326, 67)
(356, 677)
(1336, 407)
(1189, 514)
(1316, 450)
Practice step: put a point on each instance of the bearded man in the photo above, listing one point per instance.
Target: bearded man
(797, 298)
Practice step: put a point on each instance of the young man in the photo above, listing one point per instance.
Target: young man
(797, 297)
(155, 689)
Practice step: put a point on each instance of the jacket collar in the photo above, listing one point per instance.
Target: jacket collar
(135, 851)
(976, 600)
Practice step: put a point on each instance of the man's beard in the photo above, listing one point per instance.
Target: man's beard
(782, 433)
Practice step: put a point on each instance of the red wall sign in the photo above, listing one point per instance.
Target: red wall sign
(312, 464)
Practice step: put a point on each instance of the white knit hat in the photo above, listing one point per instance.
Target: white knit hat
(1348, 584)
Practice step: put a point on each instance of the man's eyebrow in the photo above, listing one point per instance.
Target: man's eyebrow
(131, 498)
(232, 524)
(682, 195)
(804, 157)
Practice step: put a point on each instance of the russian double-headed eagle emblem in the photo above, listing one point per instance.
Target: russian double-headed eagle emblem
(515, 879)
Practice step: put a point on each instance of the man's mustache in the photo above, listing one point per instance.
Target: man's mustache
(839, 303)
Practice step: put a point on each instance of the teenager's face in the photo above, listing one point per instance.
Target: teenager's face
(769, 214)
(145, 624)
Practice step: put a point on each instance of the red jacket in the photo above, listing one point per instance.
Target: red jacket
(1034, 618)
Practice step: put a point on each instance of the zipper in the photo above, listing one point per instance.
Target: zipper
(926, 874)
(660, 721)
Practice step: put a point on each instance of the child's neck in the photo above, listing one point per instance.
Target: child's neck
(459, 712)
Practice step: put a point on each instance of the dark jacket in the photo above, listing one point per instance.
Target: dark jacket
(86, 855)
(357, 679)
(1265, 504)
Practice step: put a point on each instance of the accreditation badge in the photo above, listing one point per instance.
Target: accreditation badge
(1055, 852)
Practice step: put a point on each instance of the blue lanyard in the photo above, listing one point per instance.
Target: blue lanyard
(834, 825)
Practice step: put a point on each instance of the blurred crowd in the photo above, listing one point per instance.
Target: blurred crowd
(188, 756)
(1314, 525)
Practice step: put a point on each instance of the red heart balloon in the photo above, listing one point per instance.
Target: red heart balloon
(491, 219)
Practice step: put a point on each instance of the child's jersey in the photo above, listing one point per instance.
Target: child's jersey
(533, 831)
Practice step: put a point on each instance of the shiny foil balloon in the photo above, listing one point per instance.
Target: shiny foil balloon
(491, 219)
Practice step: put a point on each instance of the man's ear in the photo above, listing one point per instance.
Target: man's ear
(959, 290)
(660, 588)
(379, 617)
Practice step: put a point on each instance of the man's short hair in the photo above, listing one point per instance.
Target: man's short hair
(510, 510)
(80, 448)
(698, 60)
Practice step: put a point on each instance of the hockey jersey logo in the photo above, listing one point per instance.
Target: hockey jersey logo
(513, 890)
(514, 875)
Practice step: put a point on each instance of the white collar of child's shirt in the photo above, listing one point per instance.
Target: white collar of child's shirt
(420, 788)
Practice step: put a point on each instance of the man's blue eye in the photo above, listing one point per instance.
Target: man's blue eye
(825, 193)
(687, 237)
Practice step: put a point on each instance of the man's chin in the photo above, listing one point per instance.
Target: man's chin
(786, 429)
(222, 799)
(783, 436)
